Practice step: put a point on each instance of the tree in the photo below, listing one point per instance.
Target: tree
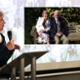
(32, 14)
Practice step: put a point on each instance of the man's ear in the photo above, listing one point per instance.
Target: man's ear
(0, 39)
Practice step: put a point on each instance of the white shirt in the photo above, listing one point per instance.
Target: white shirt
(40, 26)
(58, 24)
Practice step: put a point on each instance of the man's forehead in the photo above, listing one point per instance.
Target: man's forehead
(56, 11)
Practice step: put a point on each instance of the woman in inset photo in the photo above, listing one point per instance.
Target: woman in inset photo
(43, 27)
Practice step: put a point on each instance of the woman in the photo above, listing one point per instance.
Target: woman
(43, 26)
(6, 48)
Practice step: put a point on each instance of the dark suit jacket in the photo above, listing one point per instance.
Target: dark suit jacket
(5, 54)
(53, 29)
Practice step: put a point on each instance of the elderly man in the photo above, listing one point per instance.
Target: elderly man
(6, 49)
(58, 29)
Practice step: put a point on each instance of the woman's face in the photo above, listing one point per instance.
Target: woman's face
(45, 15)
(2, 22)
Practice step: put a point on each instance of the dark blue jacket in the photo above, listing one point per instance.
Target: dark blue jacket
(53, 29)
(5, 54)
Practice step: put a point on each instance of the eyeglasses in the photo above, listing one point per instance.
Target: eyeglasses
(1, 19)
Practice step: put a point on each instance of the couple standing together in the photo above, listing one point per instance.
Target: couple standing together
(51, 29)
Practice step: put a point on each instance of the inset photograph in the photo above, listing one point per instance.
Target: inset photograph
(52, 25)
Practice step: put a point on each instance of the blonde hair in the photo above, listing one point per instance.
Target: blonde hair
(1, 13)
(45, 12)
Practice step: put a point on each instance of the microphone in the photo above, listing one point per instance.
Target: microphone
(9, 33)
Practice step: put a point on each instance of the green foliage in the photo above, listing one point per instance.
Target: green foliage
(32, 14)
